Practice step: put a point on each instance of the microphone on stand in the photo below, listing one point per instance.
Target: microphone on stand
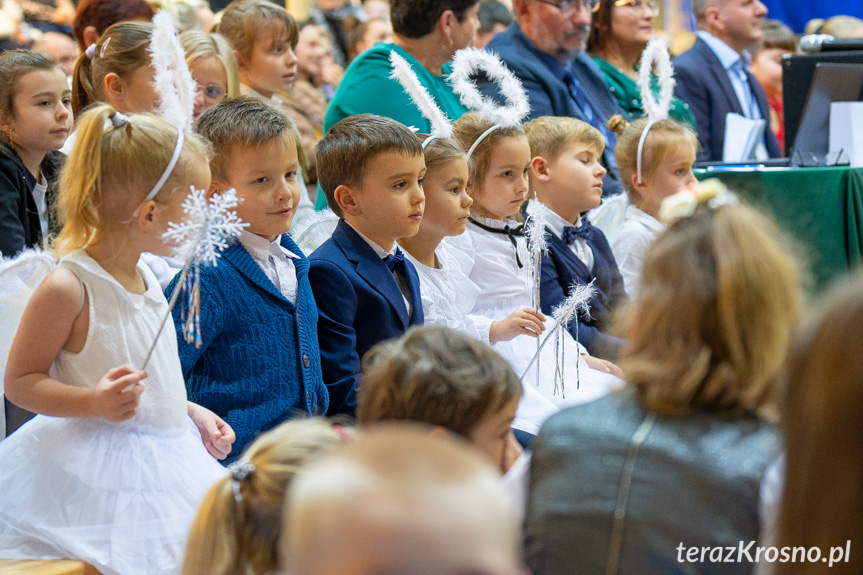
(827, 43)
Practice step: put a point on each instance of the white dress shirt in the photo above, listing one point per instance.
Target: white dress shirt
(275, 261)
(579, 247)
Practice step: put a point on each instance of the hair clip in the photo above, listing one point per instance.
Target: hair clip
(119, 119)
(683, 204)
(240, 470)
(90, 52)
(104, 47)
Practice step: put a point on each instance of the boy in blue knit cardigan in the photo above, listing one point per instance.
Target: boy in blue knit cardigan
(566, 174)
(258, 363)
(371, 169)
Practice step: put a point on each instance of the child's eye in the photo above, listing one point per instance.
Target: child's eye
(67, 101)
(399, 185)
(261, 180)
(421, 181)
(455, 191)
(291, 176)
(507, 174)
(45, 103)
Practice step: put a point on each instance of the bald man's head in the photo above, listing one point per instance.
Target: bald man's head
(400, 499)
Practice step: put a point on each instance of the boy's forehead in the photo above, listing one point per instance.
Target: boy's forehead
(242, 156)
(392, 162)
(274, 33)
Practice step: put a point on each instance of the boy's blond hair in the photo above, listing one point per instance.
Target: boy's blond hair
(438, 376)
(243, 121)
(239, 522)
(549, 136)
(345, 151)
(245, 21)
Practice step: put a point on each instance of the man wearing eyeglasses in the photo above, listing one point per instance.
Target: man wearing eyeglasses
(544, 48)
(713, 76)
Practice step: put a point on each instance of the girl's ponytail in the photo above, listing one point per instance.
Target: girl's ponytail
(617, 124)
(81, 183)
(82, 84)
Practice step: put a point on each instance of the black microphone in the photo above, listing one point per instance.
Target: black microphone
(827, 43)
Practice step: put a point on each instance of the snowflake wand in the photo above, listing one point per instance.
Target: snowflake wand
(200, 239)
(537, 241)
(578, 300)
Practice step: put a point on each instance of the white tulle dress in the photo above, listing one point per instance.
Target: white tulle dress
(489, 262)
(118, 496)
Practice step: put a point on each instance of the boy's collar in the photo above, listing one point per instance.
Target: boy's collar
(381, 252)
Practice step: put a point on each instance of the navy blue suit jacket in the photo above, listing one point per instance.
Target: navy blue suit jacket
(359, 305)
(547, 93)
(561, 268)
(703, 83)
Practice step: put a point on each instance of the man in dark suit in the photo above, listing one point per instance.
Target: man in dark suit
(544, 48)
(713, 76)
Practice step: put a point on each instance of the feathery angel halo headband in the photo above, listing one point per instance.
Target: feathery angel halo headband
(470, 60)
(404, 74)
(655, 52)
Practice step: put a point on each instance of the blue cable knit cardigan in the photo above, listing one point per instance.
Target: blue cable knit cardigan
(259, 362)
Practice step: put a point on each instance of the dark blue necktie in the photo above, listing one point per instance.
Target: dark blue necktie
(583, 103)
(570, 233)
(396, 261)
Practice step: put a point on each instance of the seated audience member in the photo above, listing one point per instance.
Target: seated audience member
(494, 17)
(371, 174)
(191, 15)
(336, 18)
(822, 428)
(400, 499)
(95, 16)
(713, 76)
(213, 67)
(843, 27)
(544, 48)
(367, 34)
(377, 9)
(630, 221)
(238, 525)
(445, 378)
(257, 361)
(61, 48)
(777, 40)
(263, 36)
(619, 33)
(566, 176)
(675, 460)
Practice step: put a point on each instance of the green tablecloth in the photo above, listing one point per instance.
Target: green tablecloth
(821, 208)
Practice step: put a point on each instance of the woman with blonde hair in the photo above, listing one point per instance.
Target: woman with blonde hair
(675, 460)
(238, 526)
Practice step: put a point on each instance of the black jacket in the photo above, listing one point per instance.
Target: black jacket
(19, 218)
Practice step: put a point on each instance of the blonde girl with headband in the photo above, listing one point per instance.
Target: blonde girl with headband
(239, 524)
(114, 468)
(630, 221)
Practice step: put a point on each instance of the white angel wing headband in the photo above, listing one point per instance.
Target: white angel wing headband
(176, 88)
(655, 52)
(441, 127)
(469, 61)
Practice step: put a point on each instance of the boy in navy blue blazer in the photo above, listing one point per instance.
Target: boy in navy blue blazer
(566, 174)
(371, 169)
(258, 363)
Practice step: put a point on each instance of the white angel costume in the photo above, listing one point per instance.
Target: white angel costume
(629, 232)
(118, 496)
(490, 263)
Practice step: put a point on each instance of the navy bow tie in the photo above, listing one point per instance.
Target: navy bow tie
(396, 260)
(583, 231)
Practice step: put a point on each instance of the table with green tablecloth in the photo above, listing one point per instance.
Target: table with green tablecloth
(820, 208)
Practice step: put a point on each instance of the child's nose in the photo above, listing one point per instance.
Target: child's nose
(291, 57)
(467, 201)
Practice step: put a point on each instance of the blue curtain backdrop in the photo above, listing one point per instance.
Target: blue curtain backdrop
(796, 13)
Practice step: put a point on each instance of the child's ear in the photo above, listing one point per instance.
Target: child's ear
(241, 61)
(146, 215)
(346, 199)
(635, 185)
(539, 169)
(114, 87)
(215, 188)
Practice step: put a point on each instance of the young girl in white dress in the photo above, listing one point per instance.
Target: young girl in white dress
(499, 264)
(448, 295)
(630, 221)
(113, 469)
